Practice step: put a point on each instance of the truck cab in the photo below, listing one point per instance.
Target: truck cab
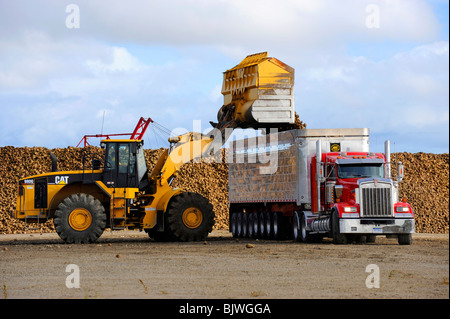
(357, 191)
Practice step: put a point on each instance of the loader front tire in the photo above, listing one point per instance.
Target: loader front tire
(189, 217)
(80, 219)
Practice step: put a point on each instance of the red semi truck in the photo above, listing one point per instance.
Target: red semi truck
(315, 183)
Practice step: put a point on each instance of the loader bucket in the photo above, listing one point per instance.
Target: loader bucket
(258, 93)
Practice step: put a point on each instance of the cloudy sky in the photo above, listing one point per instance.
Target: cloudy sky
(67, 71)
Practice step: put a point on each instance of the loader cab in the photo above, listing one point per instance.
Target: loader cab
(125, 164)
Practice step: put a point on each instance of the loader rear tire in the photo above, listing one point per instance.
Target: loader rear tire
(189, 217)
(80, 219)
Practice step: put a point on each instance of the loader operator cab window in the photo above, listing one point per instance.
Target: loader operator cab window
(125, 164)
(111, 156)
(119, 158)
(141, 164)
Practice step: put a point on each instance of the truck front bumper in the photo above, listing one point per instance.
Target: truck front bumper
(380, 227)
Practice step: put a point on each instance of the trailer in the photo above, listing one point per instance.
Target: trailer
(307, 184)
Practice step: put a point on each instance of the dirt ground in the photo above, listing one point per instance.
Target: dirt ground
(126, 264)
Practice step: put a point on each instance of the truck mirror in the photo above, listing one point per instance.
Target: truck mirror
(400, 172)
(320, 172)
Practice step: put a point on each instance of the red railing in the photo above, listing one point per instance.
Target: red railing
(137, 134)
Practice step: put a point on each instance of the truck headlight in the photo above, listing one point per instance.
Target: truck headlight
(350, 209)
(350, 212)
(403, 212)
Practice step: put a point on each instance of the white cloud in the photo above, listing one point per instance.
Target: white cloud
(404, 97)
(76, 74)
(248, 24)
(121, 61)
(423, 117)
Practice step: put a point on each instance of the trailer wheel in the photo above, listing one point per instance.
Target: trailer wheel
(189, 217)
(244, 223)
(80, 219)
(277, 225)
(250, 228)
(233, 224)
(262, 225)
(338, 238)
(239, 225)
(269, 222)
(255, 225)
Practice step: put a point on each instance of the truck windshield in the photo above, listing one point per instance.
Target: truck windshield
(360, 170)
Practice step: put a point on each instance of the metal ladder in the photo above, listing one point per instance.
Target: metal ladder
(118, 216)
(34, 217)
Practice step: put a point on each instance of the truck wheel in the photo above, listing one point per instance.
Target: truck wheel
(189, 217)
(371, 238)
(304, 233)
(338, 238)
(361, 239)
(296, 227)
(80, 218)
(405, 239)
(277, 225)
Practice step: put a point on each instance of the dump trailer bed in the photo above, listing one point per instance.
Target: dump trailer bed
(276, 167)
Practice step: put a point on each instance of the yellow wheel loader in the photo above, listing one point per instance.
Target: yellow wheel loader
(118, 192)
